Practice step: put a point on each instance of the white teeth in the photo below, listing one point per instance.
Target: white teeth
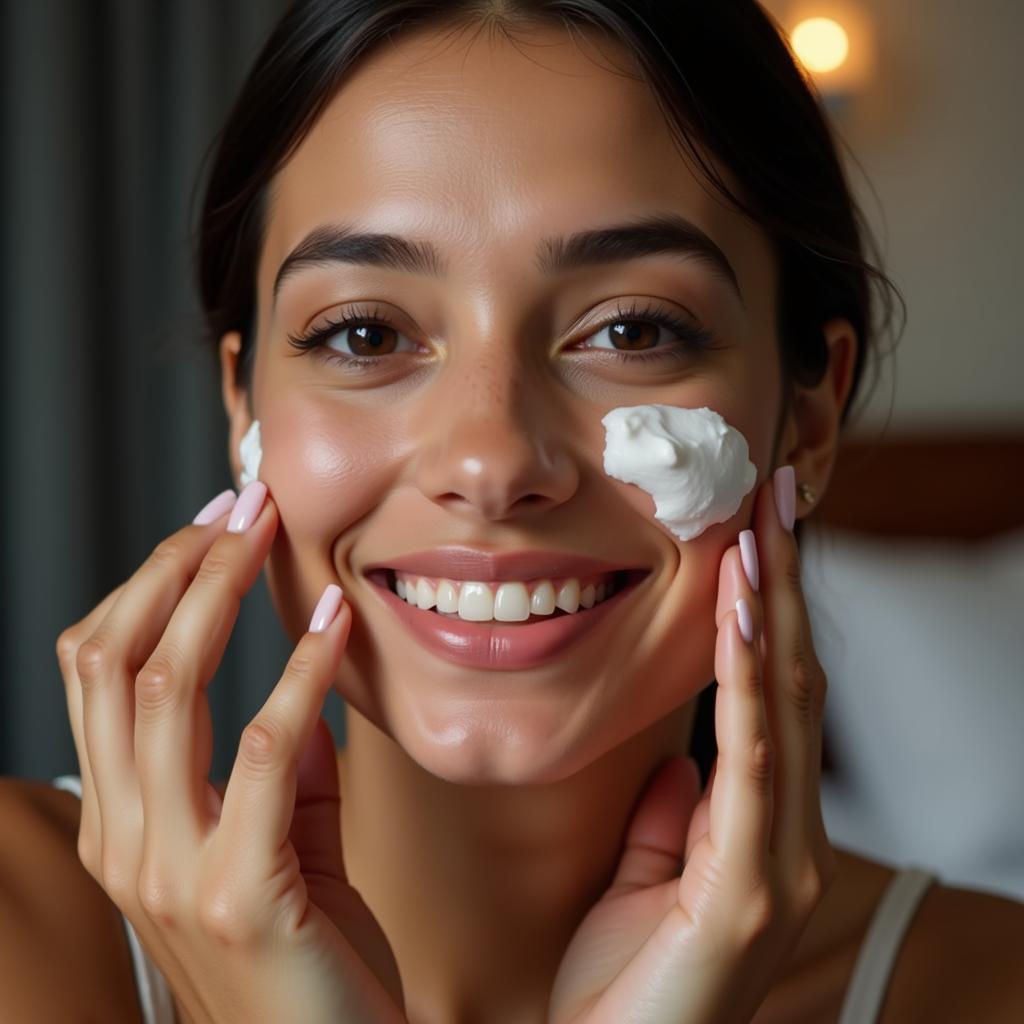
(476, 602)
(447, 597)
(424, 595)
(512, 603)
(542, 600)
(569, 596)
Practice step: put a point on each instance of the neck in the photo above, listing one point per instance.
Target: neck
(480, 888)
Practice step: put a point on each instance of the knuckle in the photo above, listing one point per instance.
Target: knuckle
(761, 764)
(222, 916)
(804, 682)
(116, 879)
(67, 648)
(168, 554)
(262, 744)
(155, 687)
(810, 888)
(753, 680)
(301, 667)
(157, 894)
(213, 571)
(791, 574)
(92, 660)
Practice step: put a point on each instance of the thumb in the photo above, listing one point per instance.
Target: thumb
(315, 830)
(656, 836)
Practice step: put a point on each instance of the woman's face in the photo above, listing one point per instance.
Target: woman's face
(477, 418)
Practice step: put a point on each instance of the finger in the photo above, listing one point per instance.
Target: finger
(741, 801)
(67, 651)
(656, 837)
(259, 801)
(174, 733)
(108, 658)
(733, 583)
(701, 817)
(796, 683)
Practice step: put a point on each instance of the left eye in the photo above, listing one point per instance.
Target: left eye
(638, 329)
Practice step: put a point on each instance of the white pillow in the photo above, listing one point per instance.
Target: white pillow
(923, 643)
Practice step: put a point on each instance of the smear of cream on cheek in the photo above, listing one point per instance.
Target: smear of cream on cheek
(690, 461)
(251, 451)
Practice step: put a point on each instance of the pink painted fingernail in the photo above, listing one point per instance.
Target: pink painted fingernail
(326, 609)
(748, 556)
(784, 486)
(746, 620)
(248, 506)
(215, 508)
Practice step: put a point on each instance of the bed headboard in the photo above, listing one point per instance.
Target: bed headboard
(929, 486)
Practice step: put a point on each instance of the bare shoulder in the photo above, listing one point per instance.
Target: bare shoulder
(63, 950)
(961, 960)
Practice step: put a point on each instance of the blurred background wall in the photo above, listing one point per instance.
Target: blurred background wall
(934, 122)
(113, 431)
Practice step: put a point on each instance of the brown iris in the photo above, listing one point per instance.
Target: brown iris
(632, 333)
(372, 339)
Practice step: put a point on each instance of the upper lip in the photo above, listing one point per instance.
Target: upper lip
(464, 563)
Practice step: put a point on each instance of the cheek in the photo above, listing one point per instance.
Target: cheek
(325, 467)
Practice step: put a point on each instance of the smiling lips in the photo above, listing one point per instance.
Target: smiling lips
(468, 595)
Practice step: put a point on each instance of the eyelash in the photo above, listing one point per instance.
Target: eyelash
(692, 337)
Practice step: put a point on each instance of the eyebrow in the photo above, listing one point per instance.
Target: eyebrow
(650, 235)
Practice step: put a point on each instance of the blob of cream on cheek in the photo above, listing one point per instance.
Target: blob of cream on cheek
(690, 461)
(251, 451)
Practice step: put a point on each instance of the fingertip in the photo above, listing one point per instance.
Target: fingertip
(784, 488)
(215, 508)
(744, 620)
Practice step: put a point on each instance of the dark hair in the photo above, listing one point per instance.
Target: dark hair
(723, 77)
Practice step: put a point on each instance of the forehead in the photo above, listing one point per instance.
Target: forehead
(483, 145)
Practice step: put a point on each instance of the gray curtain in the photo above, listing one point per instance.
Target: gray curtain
(113, 429)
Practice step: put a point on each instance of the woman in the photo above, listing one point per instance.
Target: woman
(599, 205)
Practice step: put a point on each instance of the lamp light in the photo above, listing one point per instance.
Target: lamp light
(833, 41)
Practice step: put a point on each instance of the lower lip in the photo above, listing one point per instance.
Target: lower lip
(484, 645)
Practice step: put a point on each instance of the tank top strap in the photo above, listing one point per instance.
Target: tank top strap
(877, 958)
(154, 995)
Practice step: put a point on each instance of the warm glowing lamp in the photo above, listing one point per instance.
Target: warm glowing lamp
(834, 42)
(821, 44)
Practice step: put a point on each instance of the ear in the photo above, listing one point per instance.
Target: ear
(236, 401)
(811, 437)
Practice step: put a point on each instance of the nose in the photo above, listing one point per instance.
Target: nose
(492, 450)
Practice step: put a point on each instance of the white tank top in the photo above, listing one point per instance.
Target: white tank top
(862, 1004)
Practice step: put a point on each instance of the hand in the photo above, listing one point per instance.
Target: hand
(705, 948)
(244, 903)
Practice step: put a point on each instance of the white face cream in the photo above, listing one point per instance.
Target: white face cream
(251, 452)
(690, 461)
